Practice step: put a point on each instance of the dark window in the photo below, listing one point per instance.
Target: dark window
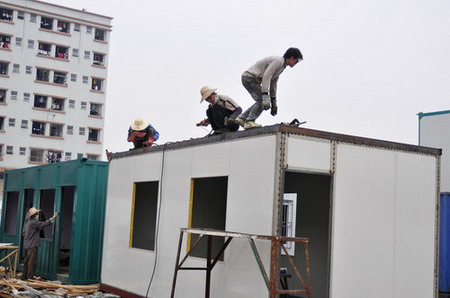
(100, 34)
(44, 49)
(97, 84)
(99, 59)
(2, 95)
(57, 104)
(60, 78)
(145, 204)
(94, 135)
(38, 128)
(95, 109)
(56, 130)
(4, 68)
(2, 123)
(5, 42)
(62, 52)
(20, 15)
(209, 204)
(63, 27)
(12, 204)
(40, 101)
(6, 14)
(46, 23)
(36, 155)
(42, 75)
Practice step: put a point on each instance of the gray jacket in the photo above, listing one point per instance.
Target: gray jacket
(266, 72)
(31, 232)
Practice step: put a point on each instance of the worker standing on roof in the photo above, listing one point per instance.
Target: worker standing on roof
(260, 80)
(222, 111)
(32, 240)
(142, 134)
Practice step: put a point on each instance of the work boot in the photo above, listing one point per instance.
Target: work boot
(239, 121)
(251, 124)
(220, 131)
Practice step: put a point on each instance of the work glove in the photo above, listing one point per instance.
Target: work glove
(274, 107)
(266, 101)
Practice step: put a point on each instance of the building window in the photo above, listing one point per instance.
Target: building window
(71, 104)
(31, 44)
(9, 150)
(82, 131)
(2, 95)
(38, 128)
(62, 52)
(69, 129)
(19, 41)
(46, 23)
(85, 79)
(73, 77)
(1, 151)
(20, 15)
(12, 122)
(28, 69)
(26, 96)
(13, 95)
(68, 155)
(96, 109)
(208, 210)
(44, 49)
(94, 135)
(4, 68)
(36, 155)
(42, 75)
(57, 104)
(16, 68)
(88, 29)
(63, 27)
(33, 18)
(92, 156)
(56, 130)
(54, 156)
(99, 59)
(79, 155)
(6, 14)
(5, 42)
(76, 27)
(40, 101)
(83, 105)
(75, 52)
(144, 214)
(60, 78)
(22, 150)
(97, 84)
(87, 55)
(100, 34)
(24, 124)
(2, 121)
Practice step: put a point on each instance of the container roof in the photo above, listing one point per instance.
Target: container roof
(280, 128)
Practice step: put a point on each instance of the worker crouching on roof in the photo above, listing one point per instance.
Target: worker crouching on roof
(32, 240)
(142, 134)
(222, 111)
(260, 80)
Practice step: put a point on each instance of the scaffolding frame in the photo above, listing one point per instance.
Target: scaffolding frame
(271, 280)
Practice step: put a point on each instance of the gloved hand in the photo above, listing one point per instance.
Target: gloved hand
(266, 101)
(274, 107)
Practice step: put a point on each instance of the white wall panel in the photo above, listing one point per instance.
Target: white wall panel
(377, 238)
(435, 132)
(308, 153)
(249, 209)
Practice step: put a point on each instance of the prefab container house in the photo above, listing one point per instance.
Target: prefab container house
(71, 248)
(368, 208)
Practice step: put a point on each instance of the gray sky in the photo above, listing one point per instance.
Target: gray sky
(369, 66)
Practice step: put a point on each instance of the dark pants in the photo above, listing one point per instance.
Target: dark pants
(29, 263)
(216, 116)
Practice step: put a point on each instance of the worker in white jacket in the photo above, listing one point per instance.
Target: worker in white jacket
(260, 80)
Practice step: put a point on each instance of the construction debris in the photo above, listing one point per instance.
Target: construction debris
(45, 289)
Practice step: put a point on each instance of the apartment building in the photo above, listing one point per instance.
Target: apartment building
(53, 77)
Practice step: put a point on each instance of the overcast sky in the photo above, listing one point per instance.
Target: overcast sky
(369, 66)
